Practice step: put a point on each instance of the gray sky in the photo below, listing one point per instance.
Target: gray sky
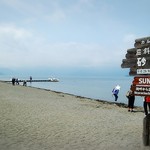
(70, 33)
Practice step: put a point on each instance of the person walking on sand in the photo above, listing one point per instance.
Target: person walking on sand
(131, 99)
(146, 103)
(115, 92)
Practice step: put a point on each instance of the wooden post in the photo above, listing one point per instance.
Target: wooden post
(138, 60)
(146, 130)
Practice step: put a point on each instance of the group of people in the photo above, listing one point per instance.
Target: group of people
(16, 81)
(131, 98)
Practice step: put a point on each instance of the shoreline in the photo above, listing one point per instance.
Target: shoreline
(119, 104)
(92, 99)
(96, 93)
(33, 118)
(78, 96)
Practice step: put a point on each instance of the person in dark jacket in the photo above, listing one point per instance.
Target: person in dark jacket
(131, 99)
(146, 102)
(13, 81)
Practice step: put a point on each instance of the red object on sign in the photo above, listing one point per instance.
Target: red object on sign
(141, 86)
(141, 80)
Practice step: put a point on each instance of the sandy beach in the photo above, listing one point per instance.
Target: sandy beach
(37, 119)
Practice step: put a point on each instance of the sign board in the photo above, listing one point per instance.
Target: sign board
(143, 71)
(138, 58)
(141, 85)
(141, 90)
(141, 41)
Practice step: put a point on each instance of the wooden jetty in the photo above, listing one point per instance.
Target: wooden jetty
(36, 80)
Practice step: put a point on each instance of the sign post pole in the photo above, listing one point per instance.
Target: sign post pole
(138, 60)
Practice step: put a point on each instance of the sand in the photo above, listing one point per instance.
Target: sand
(36, 119)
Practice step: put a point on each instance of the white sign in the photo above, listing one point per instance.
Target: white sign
(143, 71)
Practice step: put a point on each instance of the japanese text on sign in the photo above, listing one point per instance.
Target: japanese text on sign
(143, 71)
(140, 89)
(145, 42)
(143, 51)
(138, 58)
(141, 61)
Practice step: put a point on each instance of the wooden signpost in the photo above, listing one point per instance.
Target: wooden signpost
(138, 60)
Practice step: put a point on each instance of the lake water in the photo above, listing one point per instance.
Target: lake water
(91, 87)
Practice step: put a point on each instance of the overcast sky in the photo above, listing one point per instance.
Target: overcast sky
(70, 33)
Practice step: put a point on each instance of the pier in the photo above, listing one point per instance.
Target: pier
(36, 80)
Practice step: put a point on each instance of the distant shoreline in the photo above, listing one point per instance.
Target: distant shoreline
(83, 97)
